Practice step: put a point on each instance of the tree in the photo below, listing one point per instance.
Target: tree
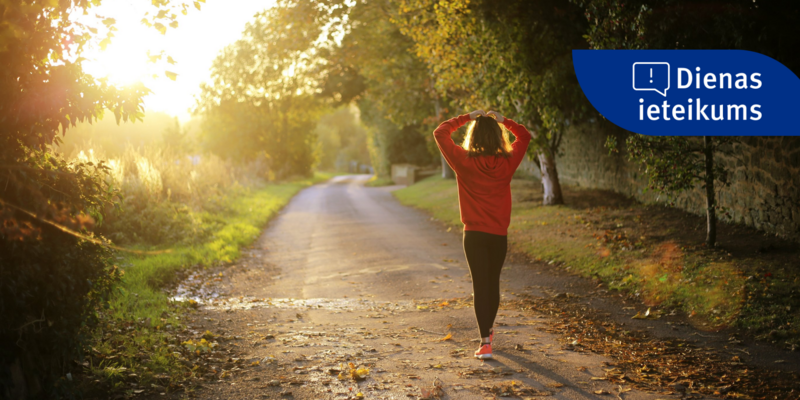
(675, 164)
(767, 27)
(364, 58)
(262, 99)
(512, 55)
(54, 272)
(375, 66)
(341, 139)
(391, 143)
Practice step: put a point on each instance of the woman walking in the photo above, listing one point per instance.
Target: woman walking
(484, 164)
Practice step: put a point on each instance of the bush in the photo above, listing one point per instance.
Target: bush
(168, 197)
(52, 283)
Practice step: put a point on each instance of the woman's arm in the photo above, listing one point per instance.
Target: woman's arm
(450, 150)
(523, 138)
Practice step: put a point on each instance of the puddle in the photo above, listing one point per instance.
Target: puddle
(202, 288)
(199, 287)
(215, 302)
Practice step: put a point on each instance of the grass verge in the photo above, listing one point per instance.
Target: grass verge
(652, 253)
(375, 182)
(141, 344)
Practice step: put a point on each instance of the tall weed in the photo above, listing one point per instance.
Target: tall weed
(169, 197)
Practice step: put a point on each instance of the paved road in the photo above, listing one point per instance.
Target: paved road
(334, 233)
(347, 274)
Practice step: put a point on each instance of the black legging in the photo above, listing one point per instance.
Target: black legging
(485, 255)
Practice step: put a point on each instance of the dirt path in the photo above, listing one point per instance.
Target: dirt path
(345, 274)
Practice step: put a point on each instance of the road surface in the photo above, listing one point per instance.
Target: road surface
(346, 274)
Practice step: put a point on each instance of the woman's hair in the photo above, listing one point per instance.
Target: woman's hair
(485, 137)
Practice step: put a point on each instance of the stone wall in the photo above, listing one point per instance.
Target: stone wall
(764, 174)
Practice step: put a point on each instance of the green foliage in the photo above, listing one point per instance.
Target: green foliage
(375, 65)
(514, 56)
(55, 273)
(673, 163)
(341, 138)
(138, 331)
(375, 181)
(51, 282)
(398, 82)
(389, 143)
(260, 102)
(50, 290)
(165, 196)
(767, 27)
(364, 58)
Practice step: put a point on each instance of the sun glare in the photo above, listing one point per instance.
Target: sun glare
(123, 63)
(193, 46)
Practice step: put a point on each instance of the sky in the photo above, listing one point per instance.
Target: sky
(194, 44)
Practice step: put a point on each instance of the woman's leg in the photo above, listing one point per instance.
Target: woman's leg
(485, 255)
(497, 257)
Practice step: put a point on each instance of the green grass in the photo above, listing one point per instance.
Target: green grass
(435, 195)
(375, 182)
(139, 328)
(615, 245)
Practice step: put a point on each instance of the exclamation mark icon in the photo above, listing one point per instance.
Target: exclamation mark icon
(651, 75)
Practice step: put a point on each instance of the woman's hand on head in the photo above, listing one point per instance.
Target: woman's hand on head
(476, 114)
(496, 115)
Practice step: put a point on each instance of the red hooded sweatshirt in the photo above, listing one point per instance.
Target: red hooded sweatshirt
(484, 182)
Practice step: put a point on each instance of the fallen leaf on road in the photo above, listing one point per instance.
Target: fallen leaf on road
(434, 392)
(356, 373)
(448, 337)
(646, 315)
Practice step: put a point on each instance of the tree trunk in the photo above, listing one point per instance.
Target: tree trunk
(447, 172)
(550, 183)
(547, 164)
(711, 214)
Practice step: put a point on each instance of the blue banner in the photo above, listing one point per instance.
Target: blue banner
(691, 92)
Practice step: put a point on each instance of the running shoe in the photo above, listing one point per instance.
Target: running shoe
(485, 352)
